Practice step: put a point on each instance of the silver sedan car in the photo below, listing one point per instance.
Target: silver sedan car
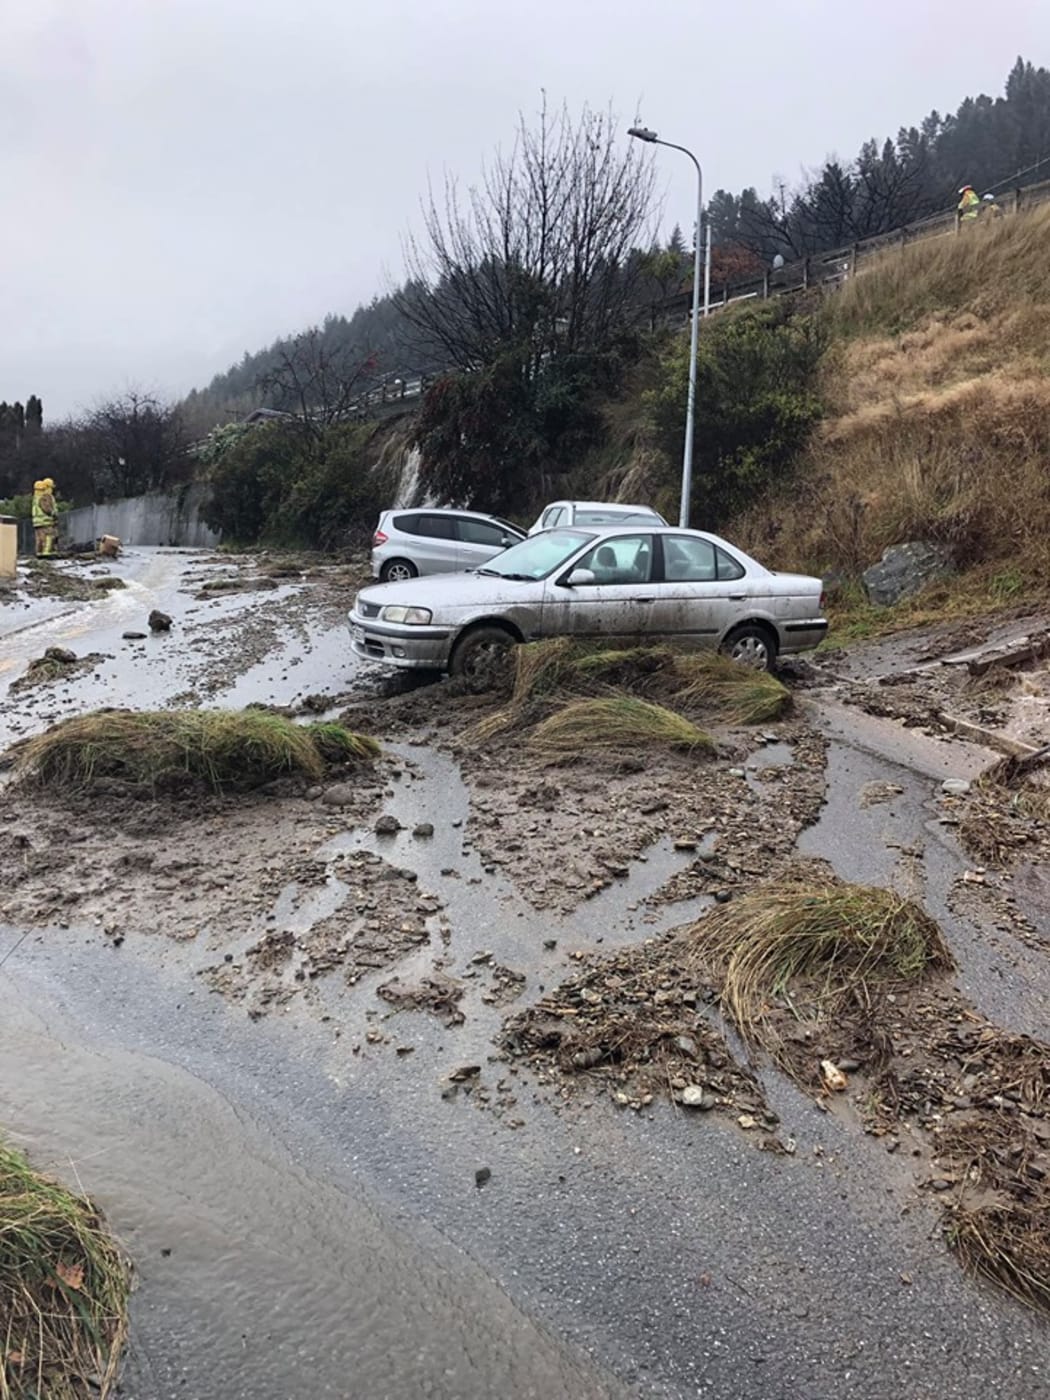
(659, 584)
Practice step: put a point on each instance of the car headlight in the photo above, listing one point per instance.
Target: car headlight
(417, 616)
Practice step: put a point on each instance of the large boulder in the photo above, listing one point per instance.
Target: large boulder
(904, 570)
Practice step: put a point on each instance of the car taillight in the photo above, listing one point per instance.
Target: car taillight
(378, 538)
(823, 599)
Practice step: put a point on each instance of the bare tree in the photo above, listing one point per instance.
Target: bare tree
(316, 381)
(135, 443)
(537, 255)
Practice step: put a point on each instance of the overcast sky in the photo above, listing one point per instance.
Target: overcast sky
(184, 180)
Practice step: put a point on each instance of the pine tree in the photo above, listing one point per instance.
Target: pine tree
(34, 416)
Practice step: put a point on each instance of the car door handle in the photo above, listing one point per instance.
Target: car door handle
(644, 600)
(737, 597)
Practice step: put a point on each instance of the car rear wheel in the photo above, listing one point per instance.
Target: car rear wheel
(478, 657)
(397, 570)
(752, 646)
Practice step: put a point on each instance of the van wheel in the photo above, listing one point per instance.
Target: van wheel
(397, 570)
(478, 658)
(752, 646)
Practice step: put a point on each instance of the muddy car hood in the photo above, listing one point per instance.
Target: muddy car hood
(449, 590)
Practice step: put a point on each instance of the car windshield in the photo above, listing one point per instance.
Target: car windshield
(616, 517)
(537, 556)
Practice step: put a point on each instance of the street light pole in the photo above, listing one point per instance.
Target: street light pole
(642, 133)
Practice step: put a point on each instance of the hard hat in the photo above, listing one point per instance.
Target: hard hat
(990, 198)
(965, 188)
(48, 484)
(38, 486)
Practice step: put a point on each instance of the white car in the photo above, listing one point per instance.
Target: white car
(591, 513)
(658, 584)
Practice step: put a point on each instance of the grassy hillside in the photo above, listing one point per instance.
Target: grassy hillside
(936, 394)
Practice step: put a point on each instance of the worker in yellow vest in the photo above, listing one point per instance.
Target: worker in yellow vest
(969, 205)
(45, 518)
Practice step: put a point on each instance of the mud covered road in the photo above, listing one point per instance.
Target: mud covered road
(222, 1021)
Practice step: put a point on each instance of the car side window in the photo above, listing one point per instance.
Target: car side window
(728, 568)
(407, 524)
(555, 516)
(688, 560)
(628, 559)
(481, 532)
(436, 527)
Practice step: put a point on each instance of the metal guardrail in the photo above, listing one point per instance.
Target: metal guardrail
(828, 269)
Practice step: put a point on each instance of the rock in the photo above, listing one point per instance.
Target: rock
(482, 1175)
(687, 1045)
(737, 773)
(696, 1096)
(339, 795)
(723, 896)
(955, 787)
(685, 843)
(550, 944)
(464, 1073)
(133, 636)
(62, 655)
(904, 570)
(159, 621)
(832, 1076)
(423, 829)
(387, 826)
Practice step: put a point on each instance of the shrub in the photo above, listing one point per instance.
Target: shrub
(756, 404)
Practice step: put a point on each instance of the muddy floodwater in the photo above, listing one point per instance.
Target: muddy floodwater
(328, 1195)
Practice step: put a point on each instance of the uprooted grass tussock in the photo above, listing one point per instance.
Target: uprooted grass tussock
(695, 686)
(1000, 1227)
(617, 721)
(811, 943)
(64, 1288)
(220, 749)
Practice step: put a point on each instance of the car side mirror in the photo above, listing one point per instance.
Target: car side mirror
(507, 540)
(579, 577)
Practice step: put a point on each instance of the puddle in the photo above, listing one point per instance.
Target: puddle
(262, 1271)
(900, 844)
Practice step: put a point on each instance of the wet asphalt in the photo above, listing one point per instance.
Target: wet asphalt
(305, 1220)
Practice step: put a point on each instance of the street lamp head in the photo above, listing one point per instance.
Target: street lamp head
(642, 133)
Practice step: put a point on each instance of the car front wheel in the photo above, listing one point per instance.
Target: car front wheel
(752, 646)
(478, 657)
(397, 570)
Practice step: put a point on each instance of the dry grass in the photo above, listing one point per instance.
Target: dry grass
(617, 722)
(728, 692)
(704, 686)
(982, 268)
(64, 1288)
(938, 420)
(1001, 1227)
(836, 938)
(219, 748)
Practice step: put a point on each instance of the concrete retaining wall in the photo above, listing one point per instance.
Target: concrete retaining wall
(171, 518)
